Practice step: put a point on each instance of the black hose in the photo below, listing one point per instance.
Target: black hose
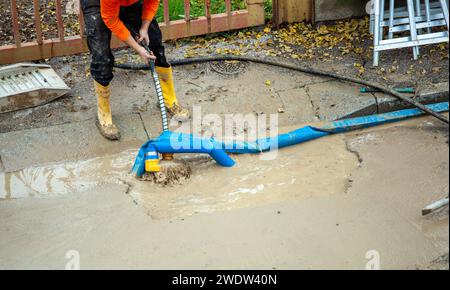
(298, 68)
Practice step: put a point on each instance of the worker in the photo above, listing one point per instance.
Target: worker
(122, 18)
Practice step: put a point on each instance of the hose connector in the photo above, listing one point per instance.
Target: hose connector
(152, 161)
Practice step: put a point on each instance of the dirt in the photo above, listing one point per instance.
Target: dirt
(441, 263)
(172, 172)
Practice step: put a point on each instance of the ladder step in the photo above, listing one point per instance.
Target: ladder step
(434, 23)
(405, 42)
(405, 20)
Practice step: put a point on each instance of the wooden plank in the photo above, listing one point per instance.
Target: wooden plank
(166, 12)
(208, 14)
(49, 48)
(291, 11)
(15, 23)
(81, 21)
(37, 21)
(276, 19)
(187, 17)
(59, 20)
(219, 23)
(187, 10)
(256, 12)
(228, 11)
(299, 10)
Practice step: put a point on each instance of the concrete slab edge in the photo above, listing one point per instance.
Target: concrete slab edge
(386, 104)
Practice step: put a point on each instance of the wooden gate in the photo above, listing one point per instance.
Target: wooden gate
(41, 48)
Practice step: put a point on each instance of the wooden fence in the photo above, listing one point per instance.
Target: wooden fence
(62, 45)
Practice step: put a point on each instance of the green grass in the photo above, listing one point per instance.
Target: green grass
(268, 8)
(176, 8)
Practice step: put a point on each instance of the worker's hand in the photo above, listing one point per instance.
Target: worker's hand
(143, 36)
(145, 55)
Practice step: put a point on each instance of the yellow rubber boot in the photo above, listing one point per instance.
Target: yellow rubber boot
(170, 99)
(104, 115)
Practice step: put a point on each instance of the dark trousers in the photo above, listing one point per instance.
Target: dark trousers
(99, 38)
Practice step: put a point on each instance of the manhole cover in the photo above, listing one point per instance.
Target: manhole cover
(228, 67)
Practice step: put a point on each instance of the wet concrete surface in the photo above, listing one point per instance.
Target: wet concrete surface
(304, 96)
(343, 101)
(67, 142)
(322, 204)
(65, 130)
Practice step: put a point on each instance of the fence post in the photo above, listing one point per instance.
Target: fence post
(295, 10)
(256, 12)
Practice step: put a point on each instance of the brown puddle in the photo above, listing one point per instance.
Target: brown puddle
(315, 168)
(321, 167)
(65, 178)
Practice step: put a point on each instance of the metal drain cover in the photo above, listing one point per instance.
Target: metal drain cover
(228, 67)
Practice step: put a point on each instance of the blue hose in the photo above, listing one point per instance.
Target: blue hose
(170, 142)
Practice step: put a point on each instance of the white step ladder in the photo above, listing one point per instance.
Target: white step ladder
(418, 17)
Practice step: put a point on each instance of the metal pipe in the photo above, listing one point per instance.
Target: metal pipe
(159, 93)
(391, 18)
(413, 28)
(376, 34)
(428, 14)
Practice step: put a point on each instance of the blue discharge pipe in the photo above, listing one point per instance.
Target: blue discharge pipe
(171, 143)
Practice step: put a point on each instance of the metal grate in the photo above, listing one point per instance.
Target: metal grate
(25, 81)
(27, 85)
(228, 67)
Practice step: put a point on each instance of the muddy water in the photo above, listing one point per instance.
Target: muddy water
(70, 177)
(316, 168)
(321, 167)
(405, 167)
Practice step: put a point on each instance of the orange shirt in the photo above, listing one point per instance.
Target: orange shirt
(110, 14)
